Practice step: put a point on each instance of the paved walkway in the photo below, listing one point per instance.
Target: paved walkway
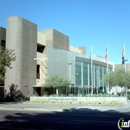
(60, 107)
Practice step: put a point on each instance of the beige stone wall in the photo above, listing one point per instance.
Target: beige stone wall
(49, 37)
(42, 59)
(60, 41)
(55, 39)
(80, 49)
(83, 49)
(73, 49)
(41, 38)
(43, 68)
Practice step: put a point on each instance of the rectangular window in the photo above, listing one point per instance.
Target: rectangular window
(3, 44)
(38, 72)
(78, 73)
(40, 48)
(85, 73)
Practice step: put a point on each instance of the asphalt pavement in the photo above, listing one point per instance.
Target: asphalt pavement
(34, 116)
(72, 119)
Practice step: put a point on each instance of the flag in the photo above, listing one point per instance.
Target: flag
(123, 55)
(106, 55)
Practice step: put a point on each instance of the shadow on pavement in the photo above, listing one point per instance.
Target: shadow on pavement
(9, 103)
(73, 119)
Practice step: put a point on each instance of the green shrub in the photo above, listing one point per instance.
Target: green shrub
(80, 95)
(14, 94)
(128, 95)
(44, 95)
(27, 98)
(71, 95)
(62, 95)
(53, 95)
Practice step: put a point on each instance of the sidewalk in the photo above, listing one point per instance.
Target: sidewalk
(37, 106)
(58, 107)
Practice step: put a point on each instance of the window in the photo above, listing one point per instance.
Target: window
(38, 72)
(85, 73)
(82, 75)
(3, 44)
(78, 73)
(40, 48)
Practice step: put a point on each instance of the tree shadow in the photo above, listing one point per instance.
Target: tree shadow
(76, 119)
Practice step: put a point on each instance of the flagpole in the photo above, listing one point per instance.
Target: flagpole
(125, 69)
(124, 60)
(108, 76)
(106, 57)
(91, 71)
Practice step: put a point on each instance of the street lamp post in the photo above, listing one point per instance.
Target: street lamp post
(70, 63)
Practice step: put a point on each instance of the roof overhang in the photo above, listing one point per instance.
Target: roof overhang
(37, 86)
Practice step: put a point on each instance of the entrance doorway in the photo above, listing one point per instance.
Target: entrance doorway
(37, 91)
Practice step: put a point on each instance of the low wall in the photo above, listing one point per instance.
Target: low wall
(81, 99)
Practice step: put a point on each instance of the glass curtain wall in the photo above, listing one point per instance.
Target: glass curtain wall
(83, 75)
(78, 73)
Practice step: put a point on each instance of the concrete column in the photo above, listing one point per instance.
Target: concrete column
(88, 76)
(21, 36)
(81, 73)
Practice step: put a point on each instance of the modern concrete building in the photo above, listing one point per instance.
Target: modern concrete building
(46, 52)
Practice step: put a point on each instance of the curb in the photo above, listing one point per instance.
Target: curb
(29, 109)
(60, 110)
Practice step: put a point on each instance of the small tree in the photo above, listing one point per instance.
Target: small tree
(57, 81)
(6, 57)
(127, 79)
(119, 77)
(110, 79)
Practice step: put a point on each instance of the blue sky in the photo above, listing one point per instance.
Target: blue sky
(86, 22)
